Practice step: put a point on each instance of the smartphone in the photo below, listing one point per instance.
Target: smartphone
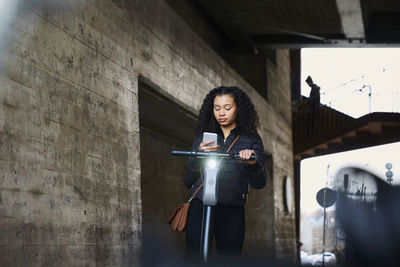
(210, 137)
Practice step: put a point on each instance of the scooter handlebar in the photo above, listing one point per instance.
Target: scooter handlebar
(252, 157)
(201, 154)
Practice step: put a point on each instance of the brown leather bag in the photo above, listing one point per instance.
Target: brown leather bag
(178, 218)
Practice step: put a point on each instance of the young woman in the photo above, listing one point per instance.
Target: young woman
(228, 112)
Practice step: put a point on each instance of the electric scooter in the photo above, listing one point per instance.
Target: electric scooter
(210, 192)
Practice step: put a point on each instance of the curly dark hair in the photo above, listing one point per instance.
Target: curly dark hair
(246, 118)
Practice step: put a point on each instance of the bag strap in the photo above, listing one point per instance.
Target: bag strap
(201, 185)
(234, 141)
(195, 192)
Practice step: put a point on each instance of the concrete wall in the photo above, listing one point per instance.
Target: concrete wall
(278, 141)
(70, 189)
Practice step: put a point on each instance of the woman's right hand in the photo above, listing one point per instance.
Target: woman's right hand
(208, 148)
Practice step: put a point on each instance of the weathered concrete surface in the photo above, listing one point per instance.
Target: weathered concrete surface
(69, 130)
(281, 136)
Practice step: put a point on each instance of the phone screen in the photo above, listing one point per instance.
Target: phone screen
(210, 137)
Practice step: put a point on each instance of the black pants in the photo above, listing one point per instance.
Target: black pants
(229, 229)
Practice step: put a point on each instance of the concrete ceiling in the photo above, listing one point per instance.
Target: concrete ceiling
(257, 25)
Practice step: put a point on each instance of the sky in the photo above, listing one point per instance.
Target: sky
(341, 72)
(348, 75)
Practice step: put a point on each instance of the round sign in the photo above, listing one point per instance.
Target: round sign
(388, 166)
(328, 200)
(389, 174)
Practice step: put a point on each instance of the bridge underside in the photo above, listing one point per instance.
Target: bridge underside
(332, 132)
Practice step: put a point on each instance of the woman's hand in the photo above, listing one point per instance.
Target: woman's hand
(246, 154)
(207, 148)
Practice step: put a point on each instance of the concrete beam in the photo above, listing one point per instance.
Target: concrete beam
(351, 17)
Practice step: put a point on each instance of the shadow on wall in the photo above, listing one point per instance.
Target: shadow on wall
(372, 233)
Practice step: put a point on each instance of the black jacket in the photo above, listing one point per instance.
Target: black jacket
(234, 177)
